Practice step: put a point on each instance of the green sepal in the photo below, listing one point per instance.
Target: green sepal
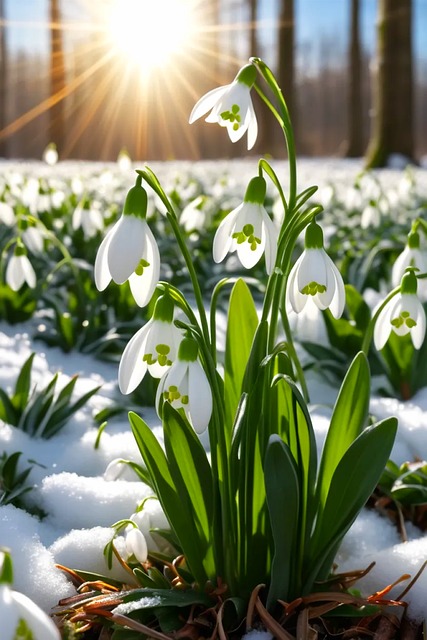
(247, 75)
(136, 201)
(256, 190)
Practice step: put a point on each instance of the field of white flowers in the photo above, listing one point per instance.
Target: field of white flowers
(64, 431)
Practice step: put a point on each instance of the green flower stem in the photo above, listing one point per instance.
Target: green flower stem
(370, 331)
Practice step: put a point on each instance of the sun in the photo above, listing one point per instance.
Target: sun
(149, 33)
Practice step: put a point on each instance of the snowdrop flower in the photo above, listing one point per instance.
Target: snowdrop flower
(315, 275)
(185, 386)
(129, 250)
(136, 544)
(154, 347)
(231, 106)
(7, 215)
(248, 230)
(411, 256)
(87, 216)
(21, 617)
(403, 314)
(32, 236)
(371, 216)
(50, 154)
(19, 269)
(124, 161)
(195, 216)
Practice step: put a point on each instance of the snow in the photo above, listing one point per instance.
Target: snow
(81, 503)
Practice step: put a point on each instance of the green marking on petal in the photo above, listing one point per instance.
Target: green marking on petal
(247, 235)
(148, 358)
(163, 349)
(23, 632)
(141, 266)
(404, 318)
(313, 288)
(233, 116)
(172, 394)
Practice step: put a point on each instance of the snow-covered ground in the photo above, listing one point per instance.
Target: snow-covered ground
(81, 503)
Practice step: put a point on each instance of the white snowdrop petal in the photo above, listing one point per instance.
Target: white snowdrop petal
(206, 103)
(9, 615)
(338, 302)
(143, 286)
(253, 127)
(14, 273)
(222, 241)
(28, 271)
(383, 324)
(136, 544)
(200, 397)
(42, 627)
(132, 367)
(126, 248)
(296, 299)
(7, 215)
(101, 270)
(419, 331)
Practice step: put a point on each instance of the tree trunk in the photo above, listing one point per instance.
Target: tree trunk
(57, 78)
(355, 144)
(286, 46)
(392, 131)
(3, 80)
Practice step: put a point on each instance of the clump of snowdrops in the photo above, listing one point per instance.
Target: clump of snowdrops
(257, 521)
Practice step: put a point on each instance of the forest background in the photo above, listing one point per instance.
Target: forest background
(352, 89)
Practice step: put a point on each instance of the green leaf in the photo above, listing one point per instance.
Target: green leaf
(353, 481)
(8, 412)
(348, 419)
(23, 385)
(282, 491)
(241, 327)
(176, 509)
(192, 476)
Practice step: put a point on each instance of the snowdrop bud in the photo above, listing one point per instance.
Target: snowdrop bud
(50, 154)
(136, 544)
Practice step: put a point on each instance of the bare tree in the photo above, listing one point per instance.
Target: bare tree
(286, 48)
(57, 77)
(355, 142)
(392, 130)
(3, 81)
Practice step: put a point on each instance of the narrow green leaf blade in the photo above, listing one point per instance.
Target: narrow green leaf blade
(282, 490)
(241, 327)
(175, 507)
(348, 419)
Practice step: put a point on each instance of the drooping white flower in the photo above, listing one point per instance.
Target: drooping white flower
(196, 214)
(87, 216)
(154, 347)
(20, 617)
(248, 230)
(19, 269)
(150, 517)
(7, 215)
(315, 275)
(371, 216)
(411, 256)
(124, 160)
(129, 250)
(136, 544)
(231, 106)
(402, 314)
(50, 154)
(185, 386)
